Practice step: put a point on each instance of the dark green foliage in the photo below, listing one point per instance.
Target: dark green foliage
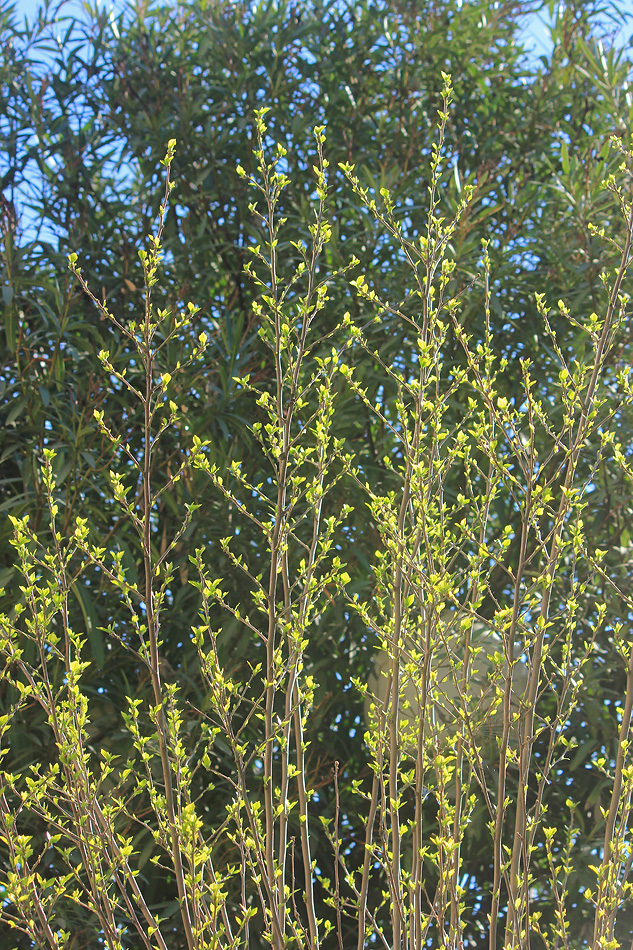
(84, 126)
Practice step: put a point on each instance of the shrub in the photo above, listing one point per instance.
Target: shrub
(436, 843)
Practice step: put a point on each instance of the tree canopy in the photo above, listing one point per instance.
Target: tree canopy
(88, 108)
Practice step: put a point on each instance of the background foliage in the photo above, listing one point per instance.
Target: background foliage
(87, 109)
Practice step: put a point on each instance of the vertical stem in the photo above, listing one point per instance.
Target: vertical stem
(337, 883)
(394, 721)
(520, 830)
(603, 927)
(503, 751)
(285, 418)
(417, 867)
(369, 836)
(277, 882)
(152, 614)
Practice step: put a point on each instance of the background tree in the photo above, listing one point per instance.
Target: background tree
(86, 124)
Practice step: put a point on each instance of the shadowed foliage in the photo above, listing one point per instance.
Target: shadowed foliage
(88, 107)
